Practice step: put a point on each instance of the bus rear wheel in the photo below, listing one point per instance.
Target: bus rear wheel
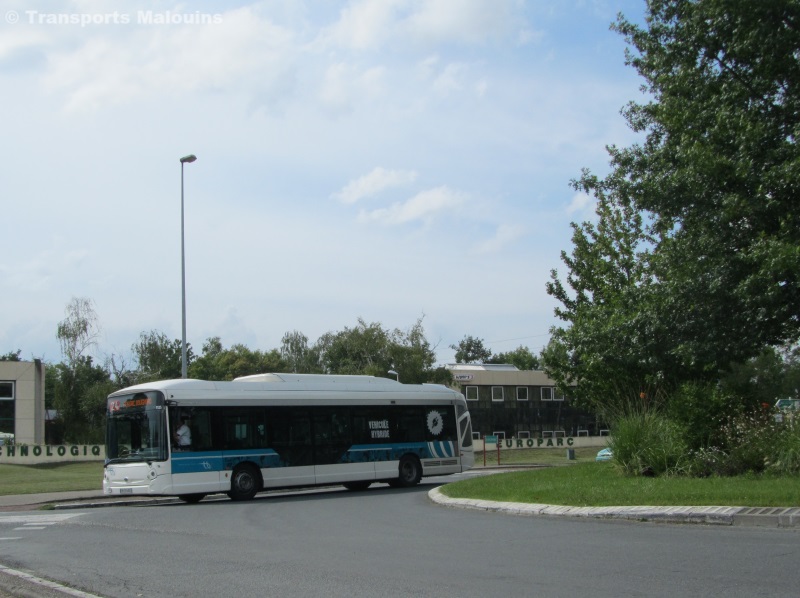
(245, 483)
(191, 498)
(410, 472)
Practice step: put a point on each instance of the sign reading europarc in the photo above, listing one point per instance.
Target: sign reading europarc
(25, 454)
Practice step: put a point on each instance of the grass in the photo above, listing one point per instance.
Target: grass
(53, 477)
(600, 484)
(582, 483)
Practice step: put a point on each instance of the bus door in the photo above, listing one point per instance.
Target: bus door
(289, 435)
(334, 460)
(196, 466)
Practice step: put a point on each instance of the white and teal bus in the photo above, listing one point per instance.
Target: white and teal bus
(281, 431)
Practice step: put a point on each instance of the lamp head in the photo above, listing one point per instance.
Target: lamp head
(188, 159)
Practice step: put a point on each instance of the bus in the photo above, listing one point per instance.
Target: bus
(271, 431)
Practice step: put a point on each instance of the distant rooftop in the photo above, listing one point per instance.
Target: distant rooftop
(482, 367)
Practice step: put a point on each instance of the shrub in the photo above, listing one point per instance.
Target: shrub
(785, 454)
(646, 442)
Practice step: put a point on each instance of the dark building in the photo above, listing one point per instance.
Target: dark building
(508, 402)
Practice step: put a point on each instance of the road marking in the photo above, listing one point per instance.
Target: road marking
(47, 584)
(48, 519)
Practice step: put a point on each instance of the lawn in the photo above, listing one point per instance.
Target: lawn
(600, 484)
(54, 477)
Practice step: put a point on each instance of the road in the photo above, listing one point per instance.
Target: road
(387, 542)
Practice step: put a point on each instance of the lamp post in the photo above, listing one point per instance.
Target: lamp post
(185, 160)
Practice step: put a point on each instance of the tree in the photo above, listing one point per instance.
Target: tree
(719, 171)
(296, 353)
(521, 357)
(613, 345)
(158, 357)
(218, 363)
(79, 378)
(363, 349)
(369, 349)
(698, 265)
(11, 356)
(79, 330)
(471, 350)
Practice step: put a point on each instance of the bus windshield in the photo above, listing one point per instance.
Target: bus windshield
(136, 429)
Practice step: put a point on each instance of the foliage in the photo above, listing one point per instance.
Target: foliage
(217, 363)
(79, 330)
(77, 388)
(645, 442)
(521, 357)
(11, 356)
(694, 262)
(372, 350)
(785, 451)
(78, 382)
(758, 441)
(471, 350)
(719, 171)
(700, 408)
(298, 356)
(613, 346)
(158, 357)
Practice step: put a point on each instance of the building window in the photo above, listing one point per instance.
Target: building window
(522, 393)
(497, 393)
(7, 407)
(547, 393)
(558, 396)
(472, 393)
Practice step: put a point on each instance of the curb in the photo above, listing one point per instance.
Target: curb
(781, 517)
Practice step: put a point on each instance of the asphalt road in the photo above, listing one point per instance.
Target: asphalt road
(387, 542)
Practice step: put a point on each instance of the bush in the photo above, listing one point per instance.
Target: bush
(648, 443)
(752, 443)
(785, 455)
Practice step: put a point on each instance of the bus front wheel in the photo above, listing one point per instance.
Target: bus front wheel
(410, 472)
(244, 483)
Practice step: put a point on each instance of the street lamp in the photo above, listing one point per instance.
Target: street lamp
(393, 373)
(185, 160)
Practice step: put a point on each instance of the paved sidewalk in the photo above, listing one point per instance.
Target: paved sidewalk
(784, 517)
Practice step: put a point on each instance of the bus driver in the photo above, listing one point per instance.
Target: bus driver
(183, 435)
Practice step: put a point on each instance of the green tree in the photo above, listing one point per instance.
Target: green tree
(158, 357)
(613, 345)
(370, 349)
(78, 377)
(521, 357)
(297, 354)
(11, 356)
(718, 171)
(471, 350)
(218, 363)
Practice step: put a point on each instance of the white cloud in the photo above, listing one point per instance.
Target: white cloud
(464, 21)
(503, 236)
(582, 204)
(243, 51)
(423, 206)
(379, 179)
(364, 25)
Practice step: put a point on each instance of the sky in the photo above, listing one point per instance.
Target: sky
(388, 160)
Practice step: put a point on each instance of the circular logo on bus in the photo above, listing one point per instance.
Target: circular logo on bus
(435, 423)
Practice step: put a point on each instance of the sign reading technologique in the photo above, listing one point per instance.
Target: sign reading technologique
(36, 451)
